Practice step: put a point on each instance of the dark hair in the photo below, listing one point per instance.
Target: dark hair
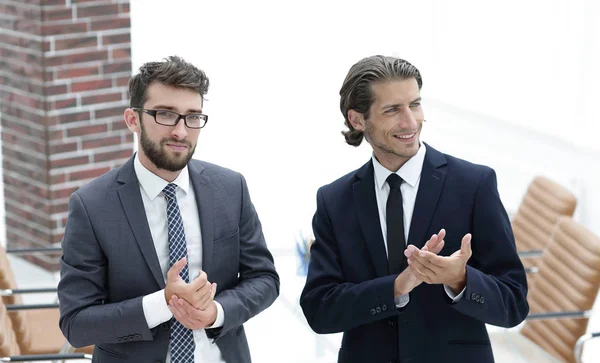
(173, 71)
(356, 92)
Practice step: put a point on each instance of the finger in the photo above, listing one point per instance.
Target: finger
(439, 247)
(442, 234)
(431, 242)
(410, 250)
(202, 296)
(190, 312)
(174, 271)
(418, 274)
(424, 266)
(199, 281)
(438, 265)
(431, 260)
(465, 245)
(439, 239)
(214, 290)
(179, 314)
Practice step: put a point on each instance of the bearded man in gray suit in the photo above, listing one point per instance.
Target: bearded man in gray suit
(164, 256)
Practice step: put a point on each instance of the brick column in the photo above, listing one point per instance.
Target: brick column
(64, 68)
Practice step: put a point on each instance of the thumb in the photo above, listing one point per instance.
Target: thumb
(174, 271)
(465, 246)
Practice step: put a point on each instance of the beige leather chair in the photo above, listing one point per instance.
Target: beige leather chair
(36, 330)
(562, 296)
(544, 202)
(10, 350)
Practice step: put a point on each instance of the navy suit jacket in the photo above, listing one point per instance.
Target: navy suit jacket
(348, 288)
(109, 263)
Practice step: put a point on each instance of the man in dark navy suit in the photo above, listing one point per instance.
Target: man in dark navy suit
(414, 251)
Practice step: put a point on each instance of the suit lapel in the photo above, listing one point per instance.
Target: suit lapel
(205, 200)
(430, 188)
(131, 201)
(368, 216)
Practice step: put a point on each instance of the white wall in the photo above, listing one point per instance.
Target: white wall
(510, 84)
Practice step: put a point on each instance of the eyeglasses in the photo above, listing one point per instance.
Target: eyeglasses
(170, 118)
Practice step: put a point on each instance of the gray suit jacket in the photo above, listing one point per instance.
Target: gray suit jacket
(109, 263)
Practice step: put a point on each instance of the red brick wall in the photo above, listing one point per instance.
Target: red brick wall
(64, 67)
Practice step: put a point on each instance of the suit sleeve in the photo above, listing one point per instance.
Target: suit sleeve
(330, 303)
(258, 284)
(496, 289)
(85, 316)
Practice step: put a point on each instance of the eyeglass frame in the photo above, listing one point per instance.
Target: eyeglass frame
(179, 117)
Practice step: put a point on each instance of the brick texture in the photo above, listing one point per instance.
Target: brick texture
(63, 85)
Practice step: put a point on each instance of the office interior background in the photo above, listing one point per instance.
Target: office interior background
(510, 84)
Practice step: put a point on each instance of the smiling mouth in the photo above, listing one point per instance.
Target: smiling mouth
(406, 137)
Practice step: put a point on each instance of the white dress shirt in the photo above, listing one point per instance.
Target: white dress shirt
(155, 307)
(410, 172)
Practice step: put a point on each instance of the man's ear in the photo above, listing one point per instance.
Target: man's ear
(357, 120)
(132, 120)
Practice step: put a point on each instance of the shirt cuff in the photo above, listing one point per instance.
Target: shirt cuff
(156, 310)
(220, 320)
(452, 295)
(401, 301)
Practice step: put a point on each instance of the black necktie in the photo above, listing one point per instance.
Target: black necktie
(395, 226)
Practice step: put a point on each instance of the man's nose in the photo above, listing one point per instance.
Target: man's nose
(180, 131)
(407, 118)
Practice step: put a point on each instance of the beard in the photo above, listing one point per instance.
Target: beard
(157, 154)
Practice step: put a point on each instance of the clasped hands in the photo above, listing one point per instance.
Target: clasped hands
(425, 265)
(192, 304)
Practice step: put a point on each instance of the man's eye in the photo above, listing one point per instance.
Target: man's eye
(164, 114)
(194, 118)
(416, 104)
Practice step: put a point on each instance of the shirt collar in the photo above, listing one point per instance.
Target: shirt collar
(410, 172)
(153, 185)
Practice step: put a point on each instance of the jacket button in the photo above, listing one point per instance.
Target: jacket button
(378, 309)
(473, 296)
(373, 312)
(384, 307)
(477, 298)
(481, 300)
(391, 322)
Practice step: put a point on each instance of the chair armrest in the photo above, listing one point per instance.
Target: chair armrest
(530, 253)
(27, 251)
(579, 345)
(532, 270)
(11, 292)
(560, 315)
(31, 307)
(45, 357)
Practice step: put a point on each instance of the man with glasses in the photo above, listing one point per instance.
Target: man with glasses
(164, 258)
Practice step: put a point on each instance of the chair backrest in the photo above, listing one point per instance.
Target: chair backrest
(544, 202)
(8, 339)
(19, 318)
(568, 280)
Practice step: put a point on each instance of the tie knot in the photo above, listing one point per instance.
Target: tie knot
(394, 180)
(169, 190)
